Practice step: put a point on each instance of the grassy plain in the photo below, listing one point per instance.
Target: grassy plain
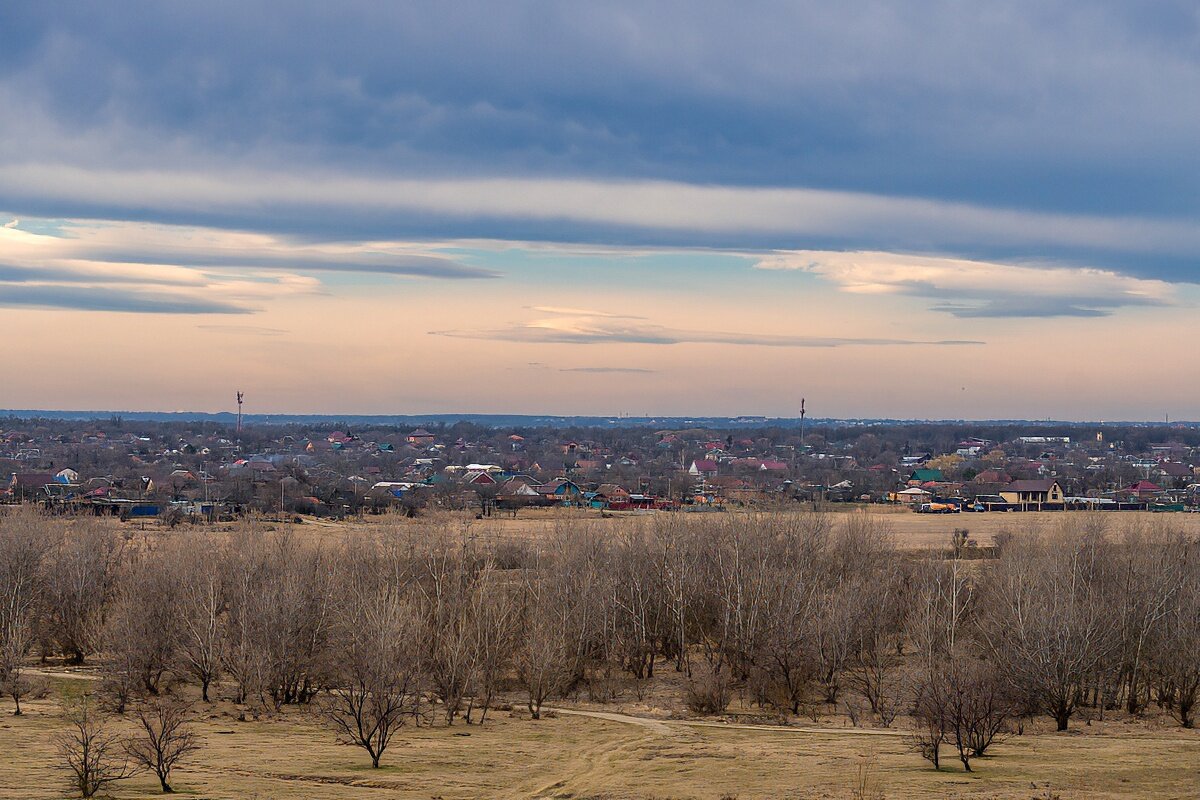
(572, 756)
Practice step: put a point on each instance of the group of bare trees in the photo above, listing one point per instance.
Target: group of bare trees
(1083, 619)
(97, 756)
(795, 614)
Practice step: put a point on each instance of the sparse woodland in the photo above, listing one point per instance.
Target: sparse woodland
(801, 617)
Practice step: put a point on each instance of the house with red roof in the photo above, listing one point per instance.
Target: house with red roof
(420, 438)
(1144, 490)
(992, 476)
(479, 478)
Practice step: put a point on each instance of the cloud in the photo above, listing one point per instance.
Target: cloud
(611, 370)
(974, 289)
(151, 250)
(1029, 133)
(662, 212)
(105, 299)
(932, 98)
(161, 264)
(574, 329)
(580, 312)
(245, 330)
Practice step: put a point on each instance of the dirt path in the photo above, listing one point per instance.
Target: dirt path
(75, 676)
(594, 764)
(668, 726)
(656, 725)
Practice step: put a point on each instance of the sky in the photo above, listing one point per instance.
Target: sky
(908, 209)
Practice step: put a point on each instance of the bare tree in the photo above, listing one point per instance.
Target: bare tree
(638, 612)
(376, 689)
(79, 579)
(975, 706)
(91, 752)
(880, 628)
(677, 554)
(244, 568)
(1143, 579)
(164, 738)
(544, 655)
(1046, 622)
(22, 553)
(929, 719)
(495, 637)
(941, 609)
(200, 606)
(294, 623)
(447, 590)
(1176, 649)
(279, 596)
(141, 630)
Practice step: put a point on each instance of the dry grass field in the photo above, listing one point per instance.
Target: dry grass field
(571, 755)
(911, 531)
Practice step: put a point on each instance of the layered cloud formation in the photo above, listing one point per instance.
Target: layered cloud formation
(980, 289)
(139, 267)
(580, 326)
(779, 179)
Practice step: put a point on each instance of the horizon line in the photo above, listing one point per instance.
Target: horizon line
(266, 417)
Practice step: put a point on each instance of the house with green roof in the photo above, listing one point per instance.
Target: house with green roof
(920, 476)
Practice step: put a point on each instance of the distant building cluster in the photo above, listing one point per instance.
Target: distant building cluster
(209, 470)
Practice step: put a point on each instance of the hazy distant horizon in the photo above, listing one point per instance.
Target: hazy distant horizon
(539, 419)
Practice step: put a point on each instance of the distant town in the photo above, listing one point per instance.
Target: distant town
(178, 469)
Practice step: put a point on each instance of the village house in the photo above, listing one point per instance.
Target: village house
(1034, 495)
(517, 491)
(1176, 474)
(420, 438)
(561, 491)
(922, 476)
(609, 495)
(479, 478)
(1144, 490)
(912, 496)
(31, 485)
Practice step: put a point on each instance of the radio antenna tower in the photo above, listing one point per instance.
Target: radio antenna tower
(239, 422)
(802, 412)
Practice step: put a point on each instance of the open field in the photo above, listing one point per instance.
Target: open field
(577, 756)
(912, 531)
